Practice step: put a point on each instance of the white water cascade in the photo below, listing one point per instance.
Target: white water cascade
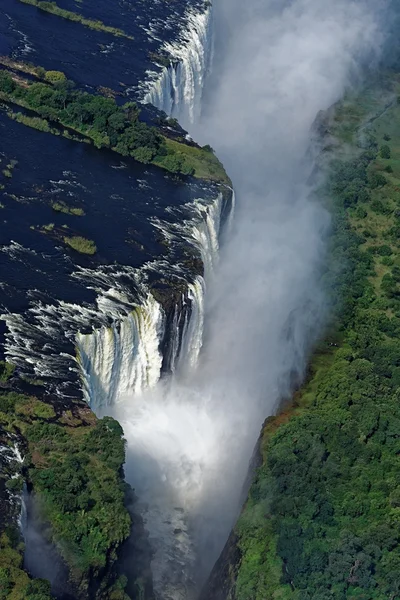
(192, 336)
(201, 230)
(124, 357)
(178, 88)
(191, 437)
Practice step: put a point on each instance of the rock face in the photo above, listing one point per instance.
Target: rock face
(221, 583)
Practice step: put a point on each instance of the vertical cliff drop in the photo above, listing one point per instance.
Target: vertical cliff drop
(193, 435)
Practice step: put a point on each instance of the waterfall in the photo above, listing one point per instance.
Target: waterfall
(202, 232)
(206, 233)
(125, 357)
(192, 336)
(122, 358)
(23, 516)
(10, 467)
(178, 88)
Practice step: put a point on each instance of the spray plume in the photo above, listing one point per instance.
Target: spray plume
(276, 64)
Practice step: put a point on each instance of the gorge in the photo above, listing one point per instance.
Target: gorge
(188, 324)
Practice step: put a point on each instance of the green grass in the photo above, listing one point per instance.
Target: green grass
(54, 9)
(81, 244)
(34, 408)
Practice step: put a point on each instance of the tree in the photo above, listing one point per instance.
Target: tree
(385, 152)
(143, 154)
(377, 180)
(7, 84)
(38, 589)
(132, 111)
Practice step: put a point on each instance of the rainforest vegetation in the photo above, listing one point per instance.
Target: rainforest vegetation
(322, 518)
(74, 463)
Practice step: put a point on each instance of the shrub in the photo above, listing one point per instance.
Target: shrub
(7, 84)
(55, 77)
(379, 207)
(385, 152)
(81, 244)
(384, 250)
(68, 210)
(377, 180)
(361, 213)
(6, 370)
(34, 122)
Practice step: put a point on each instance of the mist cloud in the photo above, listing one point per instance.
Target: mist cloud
(276, 65)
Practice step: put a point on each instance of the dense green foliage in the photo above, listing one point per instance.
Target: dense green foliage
(14, 581)
(54, 9)
(74, 462)
(81, 244)
(322, 518)
(101, 119)
(82, 493)
(106, 124)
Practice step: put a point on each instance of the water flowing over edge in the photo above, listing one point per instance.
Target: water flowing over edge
(178, 88)
(127, 338)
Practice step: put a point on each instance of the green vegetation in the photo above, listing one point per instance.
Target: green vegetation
(68, 210)
(81, 244)
(6, 370)
(54, 9)
(322, 517)
(74, 462)
(385, 151)
(24, 67)
(192, 159)
(107, 125)
(55, 77)
(15, 583)
(34, 122)
(7, 172)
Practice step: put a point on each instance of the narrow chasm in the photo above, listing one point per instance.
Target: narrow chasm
(191, 436)
(158, 305)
